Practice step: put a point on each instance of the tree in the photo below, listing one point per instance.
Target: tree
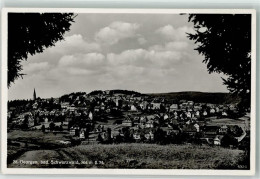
(25, 123)
(43, 128)
(31, 33)
(225, 42)
(52, 126)
(100, 139)
(228, 140)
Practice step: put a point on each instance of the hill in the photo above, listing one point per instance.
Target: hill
(116, 91)
(199, 97)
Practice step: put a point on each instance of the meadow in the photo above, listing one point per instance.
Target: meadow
(137, 156)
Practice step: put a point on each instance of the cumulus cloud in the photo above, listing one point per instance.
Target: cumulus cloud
(35, 67)
(74, 44)
(171, 46)
(169, 32)
(145, 58)
(141, 40)
(116, 31)
(88, 60)
(77, 71)
(81, 64)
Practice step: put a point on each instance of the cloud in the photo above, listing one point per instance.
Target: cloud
(88, 60)
(80, 64)
(75, 44)
(77, 71)
(36, 67)
(145, 58)
(171, 46)
(171, 33)
(141, 40)
(116, 31)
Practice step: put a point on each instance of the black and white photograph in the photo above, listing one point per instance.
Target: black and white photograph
(93, 90)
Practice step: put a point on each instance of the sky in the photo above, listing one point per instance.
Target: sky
(148, 53)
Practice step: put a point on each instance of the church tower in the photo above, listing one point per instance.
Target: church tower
(34, 95)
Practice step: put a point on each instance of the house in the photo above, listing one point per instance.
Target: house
(216, 141)
(143, 105)
(175, 113)
(156, 105)
(74, 130)
(118, 102)
(165, 117)
(232, 107)
(209, 105)
(183, 106)
(149, 124)
(137, 136)
(46, 113)
(100, 128)
(149, 135)
(211, 130)
(197, 127)
(41, 113)
(103, 106)
(225, 108)
(57, 113)
(133, 108)
(190, 103)
(189, 129)
(197, 114)
(52, 113)
(173, 107)
(212, 111)
(188, 114)
(143, 119)
(188, 122)
(35, 105)
(82, 133)
(204, 113)
(224, 113)
(64, 105)
(127, 123)
(46, 120)
(90, 115)
(197, 108)
(96, 108)
(223, 129)
(71, 108)
(189, 109)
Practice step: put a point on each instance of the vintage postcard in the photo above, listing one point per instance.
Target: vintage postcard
(128, 91)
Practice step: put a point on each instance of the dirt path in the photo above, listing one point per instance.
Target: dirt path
(35, 159)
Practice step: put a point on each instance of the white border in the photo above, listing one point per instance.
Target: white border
(4, 97)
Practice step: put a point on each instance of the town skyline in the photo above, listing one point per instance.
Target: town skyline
(119, 52)
(34, 96)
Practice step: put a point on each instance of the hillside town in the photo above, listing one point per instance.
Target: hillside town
(120, 116)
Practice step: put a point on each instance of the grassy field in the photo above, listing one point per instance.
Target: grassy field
(36, 137)
(20, 142)
(150, 156)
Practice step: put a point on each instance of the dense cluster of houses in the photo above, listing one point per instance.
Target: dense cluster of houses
(138, 117)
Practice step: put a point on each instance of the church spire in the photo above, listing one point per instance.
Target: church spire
(34, 95)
